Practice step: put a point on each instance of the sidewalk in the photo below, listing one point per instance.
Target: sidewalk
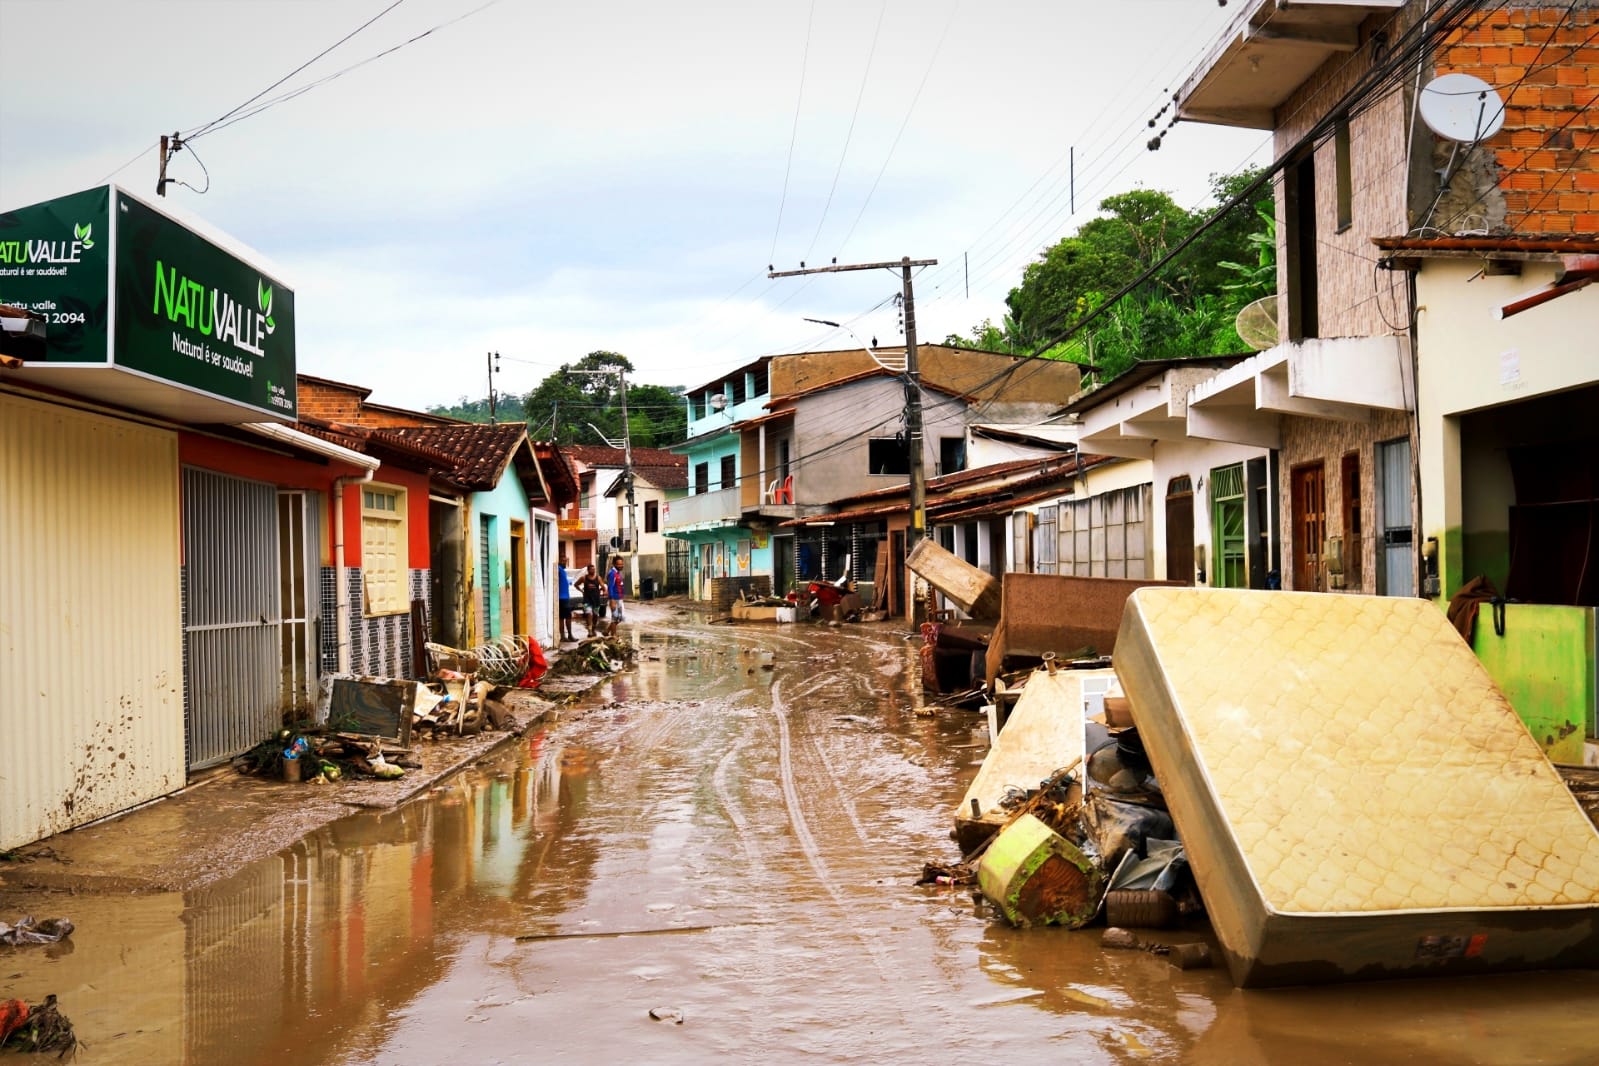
(223, 820)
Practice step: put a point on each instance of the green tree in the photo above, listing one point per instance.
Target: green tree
(1185, 309)
(581, 403)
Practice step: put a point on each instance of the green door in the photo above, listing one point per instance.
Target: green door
(1227, 527)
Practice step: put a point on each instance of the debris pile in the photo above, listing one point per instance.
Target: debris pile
(36, 1028)
(29, 931)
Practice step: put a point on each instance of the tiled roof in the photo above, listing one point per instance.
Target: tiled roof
(1507, 243)
(664, 477)
(481, 452)
(599, 455)
(864, 375)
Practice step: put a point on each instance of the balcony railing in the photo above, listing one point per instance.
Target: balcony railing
(719, 506)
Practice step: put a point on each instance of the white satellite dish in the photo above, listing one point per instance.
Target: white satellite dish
(1462, 107)
(1257, 323)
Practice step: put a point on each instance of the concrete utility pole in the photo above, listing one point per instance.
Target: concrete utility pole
(627, 469)
(911, 378)
(493, 358)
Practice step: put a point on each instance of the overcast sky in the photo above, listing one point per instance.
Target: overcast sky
(547, 179)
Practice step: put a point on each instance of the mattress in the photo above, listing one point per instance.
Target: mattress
(1357, 798)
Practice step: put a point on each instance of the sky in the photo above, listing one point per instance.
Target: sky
(549, 179)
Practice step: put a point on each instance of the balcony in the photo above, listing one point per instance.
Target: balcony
(702, 511)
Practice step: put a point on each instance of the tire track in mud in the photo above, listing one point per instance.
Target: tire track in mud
(799, 823)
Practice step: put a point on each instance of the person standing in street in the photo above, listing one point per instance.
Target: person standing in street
(568, 599)
(615, 586)
(593, 592)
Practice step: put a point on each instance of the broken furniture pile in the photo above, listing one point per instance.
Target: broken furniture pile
(1354, 797)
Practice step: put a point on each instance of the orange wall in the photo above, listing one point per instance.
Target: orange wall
(262, 464)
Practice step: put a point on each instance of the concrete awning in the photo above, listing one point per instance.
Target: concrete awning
(1266, 53)
(1343, 379)
(1128, 423)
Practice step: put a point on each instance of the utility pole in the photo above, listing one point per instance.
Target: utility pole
(627, 467)
(493, 358)
(911, 378)
(913, 404)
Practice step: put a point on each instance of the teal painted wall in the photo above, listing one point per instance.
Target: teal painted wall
(1545, 665)
(494, 510)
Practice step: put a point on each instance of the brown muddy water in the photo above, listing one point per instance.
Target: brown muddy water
(752, 807)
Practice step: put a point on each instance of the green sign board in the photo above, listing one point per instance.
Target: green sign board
(55, 260)
(181, 308)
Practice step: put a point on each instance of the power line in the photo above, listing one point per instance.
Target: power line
(266, 105)
(799, 98)
(848, 135)
(197, 131)
(931, 63)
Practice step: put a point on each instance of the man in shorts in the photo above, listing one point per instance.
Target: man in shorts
(569, 599)
(615, 586)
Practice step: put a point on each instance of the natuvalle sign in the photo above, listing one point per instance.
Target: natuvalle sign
(182, 309)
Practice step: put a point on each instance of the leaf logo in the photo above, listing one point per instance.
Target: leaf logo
(81, 233)
(263, 297)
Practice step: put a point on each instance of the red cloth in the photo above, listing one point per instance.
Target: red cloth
(537, 666)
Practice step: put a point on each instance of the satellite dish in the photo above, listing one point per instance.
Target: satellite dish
(1257, 323)
(1461, 107)
(718, 401)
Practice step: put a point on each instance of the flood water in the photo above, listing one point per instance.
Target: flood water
(751, 806)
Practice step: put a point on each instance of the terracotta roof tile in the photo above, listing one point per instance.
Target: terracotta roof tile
(481, 452)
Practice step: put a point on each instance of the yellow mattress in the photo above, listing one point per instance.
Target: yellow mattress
(1356, 796)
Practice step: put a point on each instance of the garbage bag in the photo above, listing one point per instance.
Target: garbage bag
(28, 931)
(1117, 826)
(1163, 866)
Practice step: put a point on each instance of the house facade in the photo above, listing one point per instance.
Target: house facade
(1428, 400)
(788, 437)
(604, 522)
(170, 519)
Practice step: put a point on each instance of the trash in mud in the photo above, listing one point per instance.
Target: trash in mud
(947, 873)
(1140, 908)
(667, 1014)
(595, 655)
(29, 931)
(1035, 876)
(314, 754)
(35, 1029)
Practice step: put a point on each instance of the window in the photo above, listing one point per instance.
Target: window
(1046, 540)
(702, 478)
(951, 454)
(729, 470)
(1346, 206)
(886, 455)
(782, 458)
(1299, 239)
(652, 516)
(735, 390)
(383, 550)
(1349, 472)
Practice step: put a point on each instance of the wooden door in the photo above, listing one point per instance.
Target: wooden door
(1308, 488)
(1180, 530)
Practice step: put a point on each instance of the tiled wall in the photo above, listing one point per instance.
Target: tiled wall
(379, 646)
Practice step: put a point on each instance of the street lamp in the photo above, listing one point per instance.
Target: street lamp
(905, 367)
(887, 362)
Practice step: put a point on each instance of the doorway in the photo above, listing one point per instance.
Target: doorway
(518, 577)
(1398, 556)
(1309, 494)
(1180, 530)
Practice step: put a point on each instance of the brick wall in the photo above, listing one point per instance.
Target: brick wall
(334, 403)
(725, 590)
(1541, 171)
(1352, 301)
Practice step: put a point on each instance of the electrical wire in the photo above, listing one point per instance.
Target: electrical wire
(325, 79)
(848, 135)
(1360, 93)
(909, 111)
(793, 136)
(198, 130)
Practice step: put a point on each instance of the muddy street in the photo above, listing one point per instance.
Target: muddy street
(727, 836)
